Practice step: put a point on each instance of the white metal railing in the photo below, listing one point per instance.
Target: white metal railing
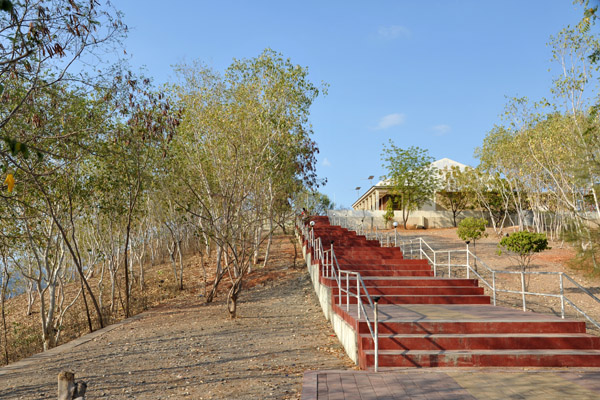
(345, 284)
(447, 260)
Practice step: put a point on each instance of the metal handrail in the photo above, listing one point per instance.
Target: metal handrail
(332, 270)
(439, 255)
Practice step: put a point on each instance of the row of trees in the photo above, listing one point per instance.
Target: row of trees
(542, 162)
(105, 174)
(414, 182)
(547, 152)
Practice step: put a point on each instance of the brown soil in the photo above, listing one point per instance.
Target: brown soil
(186, 348)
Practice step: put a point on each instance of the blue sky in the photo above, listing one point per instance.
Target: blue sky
(433, 74)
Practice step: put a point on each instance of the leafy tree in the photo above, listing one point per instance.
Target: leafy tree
(389, 212)
(243, 146)
(457, 194)
(411, 177)
(472, 229)
(316, 203)
(524, 245)
(40, 41)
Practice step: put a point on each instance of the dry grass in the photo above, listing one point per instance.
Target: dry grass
(24, 338)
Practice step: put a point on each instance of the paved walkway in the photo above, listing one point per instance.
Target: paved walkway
(451, 384)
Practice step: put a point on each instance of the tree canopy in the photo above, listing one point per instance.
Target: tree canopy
(412, 179)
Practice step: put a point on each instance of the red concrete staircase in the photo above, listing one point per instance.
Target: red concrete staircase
(426, 321)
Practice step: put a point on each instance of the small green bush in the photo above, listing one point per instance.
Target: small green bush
(523, 245)
(389, 213)
(471, 229)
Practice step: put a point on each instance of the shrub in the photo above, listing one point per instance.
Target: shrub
(472, 229)
(524, 245)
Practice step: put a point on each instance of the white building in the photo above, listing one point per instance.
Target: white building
(377, 196)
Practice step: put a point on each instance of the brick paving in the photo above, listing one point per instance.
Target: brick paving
(453, 384)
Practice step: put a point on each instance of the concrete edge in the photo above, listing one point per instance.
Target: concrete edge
(346, 334)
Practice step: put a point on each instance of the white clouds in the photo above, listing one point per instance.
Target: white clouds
(326, 162)
(391, 32)
(390, 120)
(441, 129)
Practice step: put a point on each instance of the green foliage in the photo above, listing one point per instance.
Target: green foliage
(587, 249)
(412, 179)
(6, 5)
(457, 194)
(524, 245)
(389, 212)
(244, 152)
(471, 229)
(316, 203)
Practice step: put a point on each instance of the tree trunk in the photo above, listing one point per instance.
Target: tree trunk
(180, 256)
(203, 270)
(3, 290)
(87, 308)
(233, 296)
(269, 242)
(218, 275)
(126, 264)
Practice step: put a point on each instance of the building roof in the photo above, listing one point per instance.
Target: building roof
(439, 164)
(448, 163)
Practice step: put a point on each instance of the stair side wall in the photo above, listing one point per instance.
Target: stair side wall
(344, 331)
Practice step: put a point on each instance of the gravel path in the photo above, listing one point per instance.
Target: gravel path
(188, 349)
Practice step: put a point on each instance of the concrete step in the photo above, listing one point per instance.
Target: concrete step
(385, 268)
(407, 281)
(423, 299)
(422, 290)
(439, 322)
(466, 327)
(368, 274)
(375, 261)
(487, 341)
(397, 272)
(482, 358)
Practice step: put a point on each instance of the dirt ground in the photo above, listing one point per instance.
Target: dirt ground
(555, 260)
(188, 349)
(185, 348)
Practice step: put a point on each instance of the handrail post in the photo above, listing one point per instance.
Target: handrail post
(449, 268)
(523, 290)
(376, 335)
(494, 286)
(340, 283)
(331, 256)
(358, 301)
(347, 292)
(468, 266)
(562, 297)
(420, 248)
(434, 263)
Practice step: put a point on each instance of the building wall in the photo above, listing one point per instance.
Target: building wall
(423, 218)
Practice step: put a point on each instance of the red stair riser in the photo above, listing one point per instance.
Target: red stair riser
(385, 272)
(482, 343)
(484, 360)
(423, 299)
(426, 290)
(463, 327)
(418, 282)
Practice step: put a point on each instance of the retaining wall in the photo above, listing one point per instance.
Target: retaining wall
(344, 331)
